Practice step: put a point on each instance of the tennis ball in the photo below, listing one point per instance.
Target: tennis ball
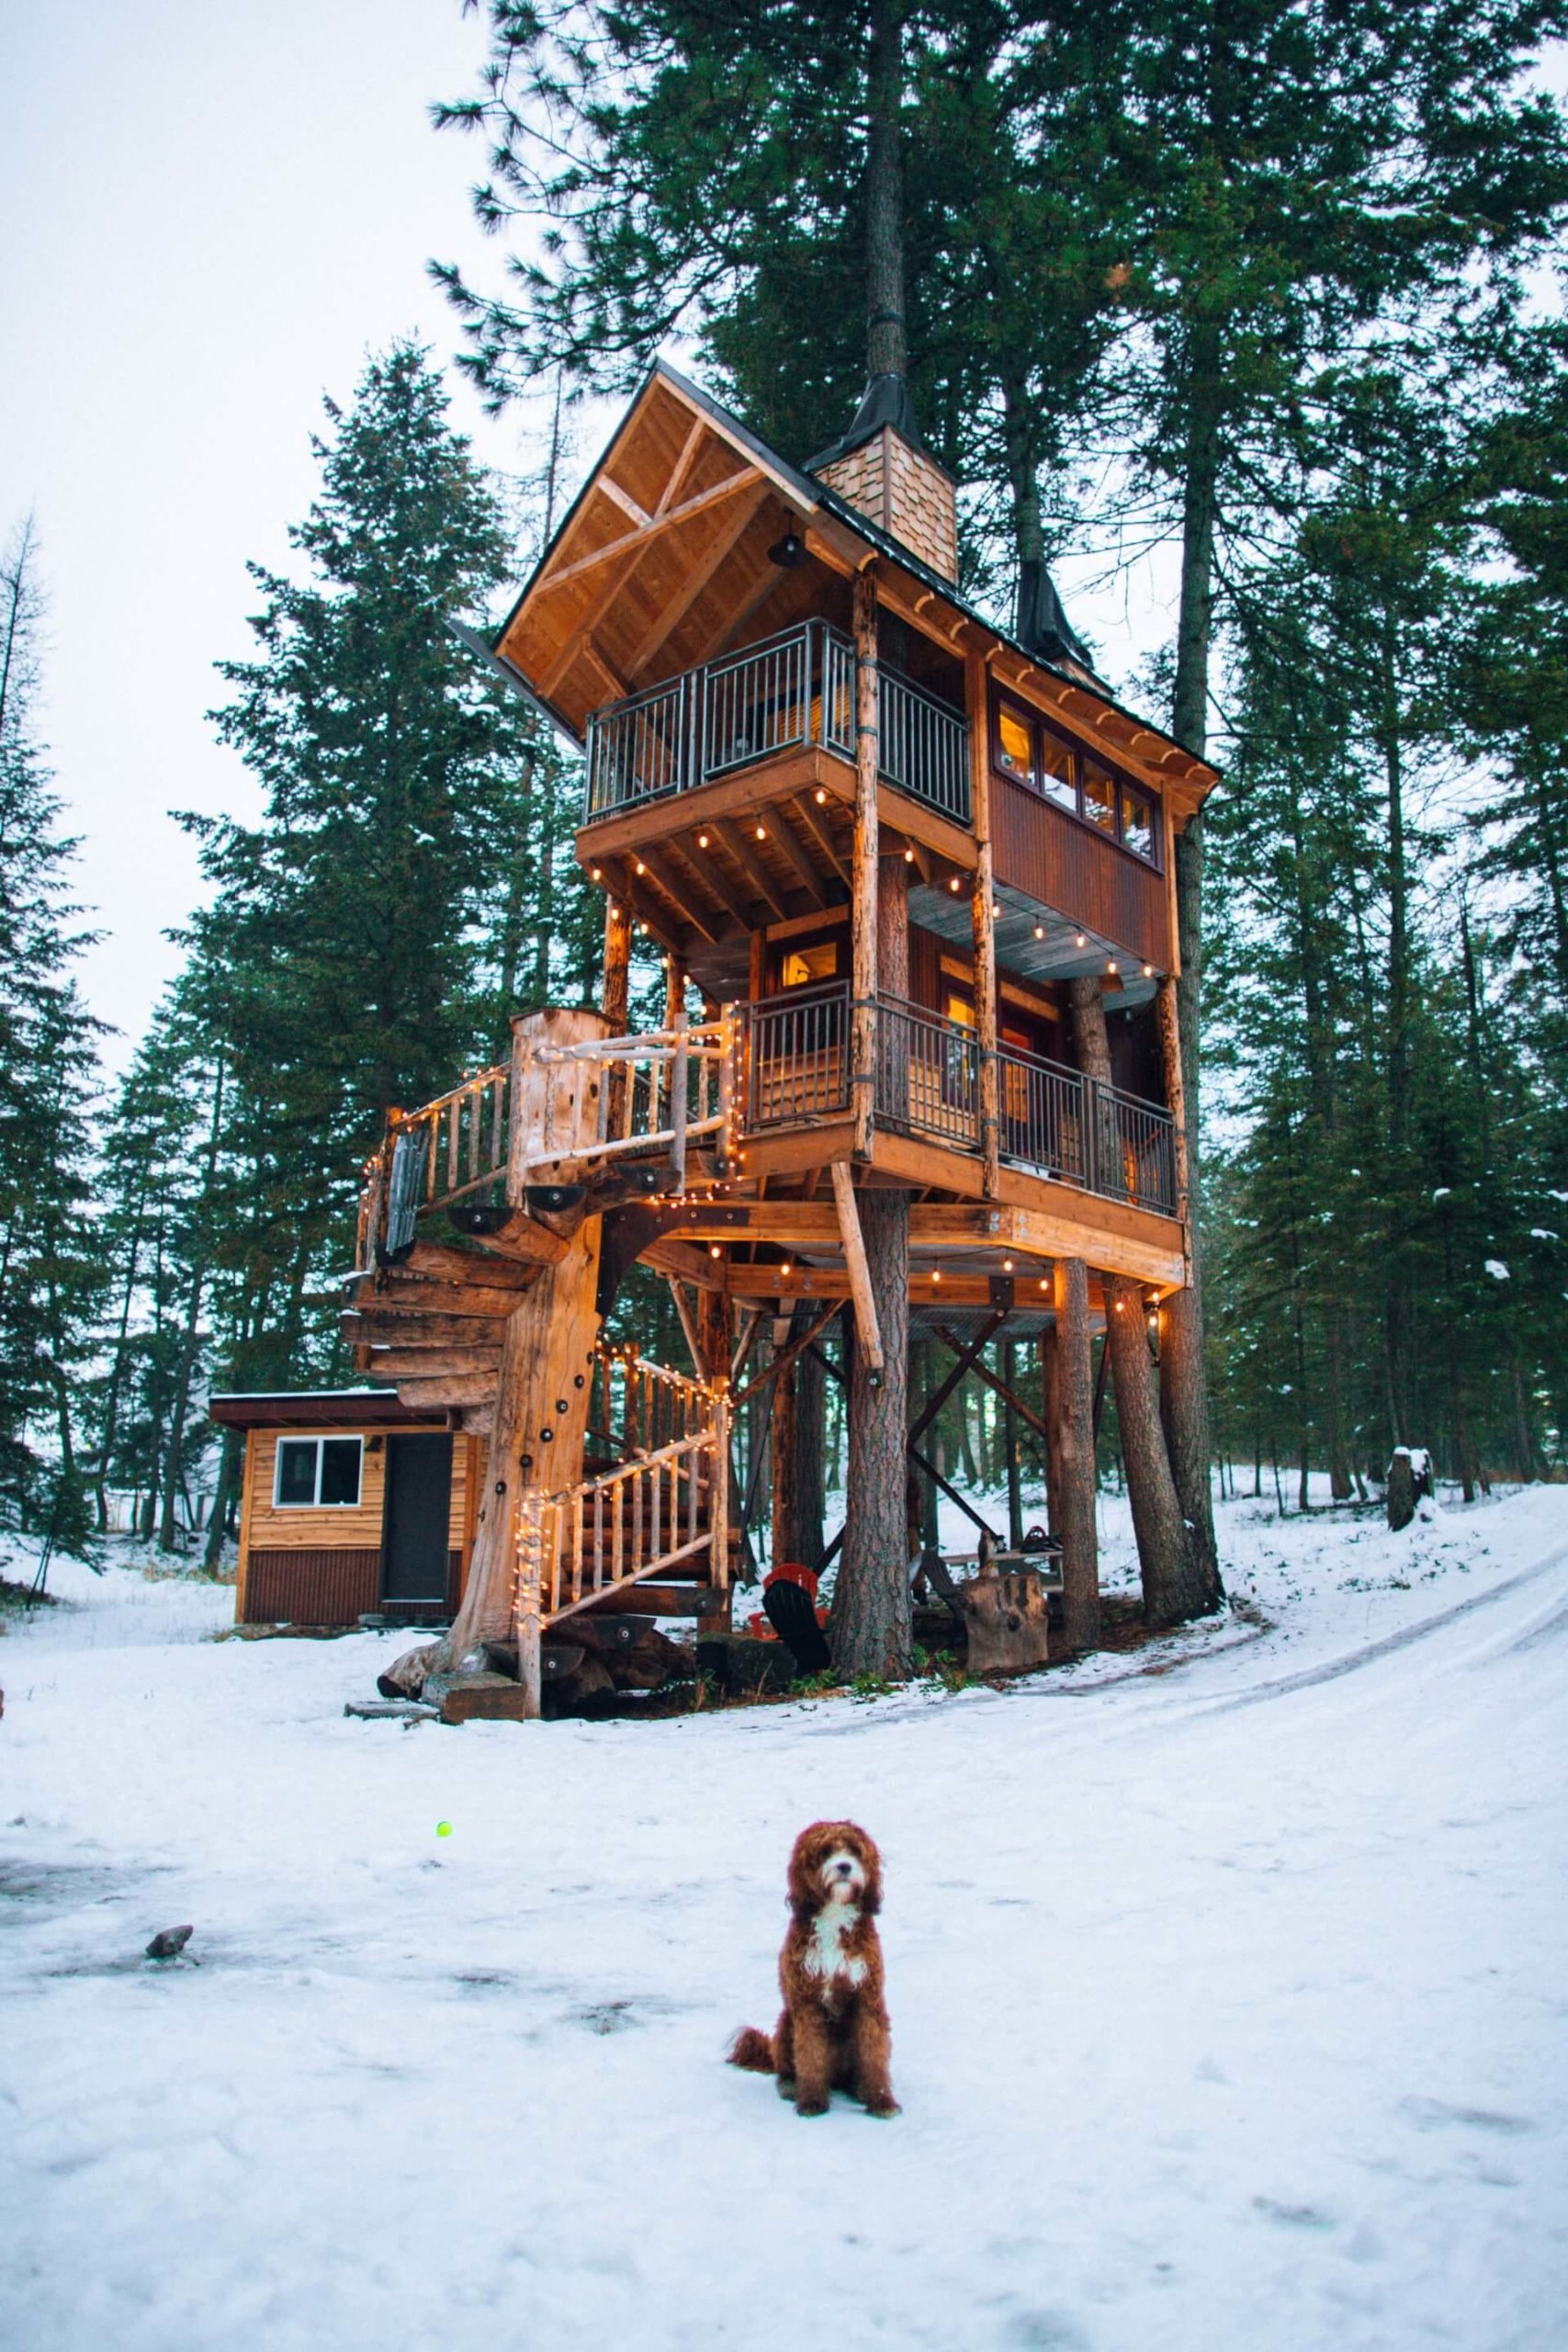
(444, 1829)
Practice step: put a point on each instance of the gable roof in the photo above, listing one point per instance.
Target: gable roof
(667, 541)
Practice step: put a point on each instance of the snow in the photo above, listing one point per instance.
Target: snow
(1496, 1268)
(1225, 1981)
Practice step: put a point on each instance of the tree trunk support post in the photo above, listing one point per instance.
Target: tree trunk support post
(863, 927)
(1071, 1401)
(867, 1322)
(982, 914)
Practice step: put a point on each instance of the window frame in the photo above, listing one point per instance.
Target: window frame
(1040, 732)
(317, 1441)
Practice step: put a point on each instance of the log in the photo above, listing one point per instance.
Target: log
(434, 1362)
(862, 910)
(1072, 1451)
(873, 1629)
(394, 1328)
(1005, 1616)
(431, 1259)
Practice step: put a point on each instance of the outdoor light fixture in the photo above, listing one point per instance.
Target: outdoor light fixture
(1111, 965)
(714, 1252)
(952, 882)
(909, 857)
(1081, 942)
(1148, 971)
(596, 873)
(821, 797)
(640, 866)
(702, 841)
(762, 832)
(788, 552)
(1039, 931)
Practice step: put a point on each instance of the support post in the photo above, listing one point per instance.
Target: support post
(982, 922)
(1183, 1380)
(541, 1414)
(527, 1622)
(1071, 1400)
(863, 911)
(868, 1329)
(1174, 1587)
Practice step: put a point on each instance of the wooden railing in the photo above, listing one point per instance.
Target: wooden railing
(662, 1091)
(637, 1406)
(666, 1089)
(660, 1511)
(793, 689)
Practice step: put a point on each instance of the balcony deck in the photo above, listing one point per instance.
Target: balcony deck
(722, 799)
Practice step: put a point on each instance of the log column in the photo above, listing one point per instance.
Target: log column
(1184, 1395)
(547, 1349)
(982, 917)
(864, 906)
(1172, 1589)
(873, 1629)
(1070, 1413)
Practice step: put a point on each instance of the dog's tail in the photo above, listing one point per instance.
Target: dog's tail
(752, 2051)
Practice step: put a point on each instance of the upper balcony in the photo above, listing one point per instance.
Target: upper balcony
(721, 800)
(793, 691)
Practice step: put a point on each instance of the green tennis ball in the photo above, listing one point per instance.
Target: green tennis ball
(444, 1829)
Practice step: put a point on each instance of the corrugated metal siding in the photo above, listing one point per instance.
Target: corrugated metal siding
(300, 1588)
(1063, 865)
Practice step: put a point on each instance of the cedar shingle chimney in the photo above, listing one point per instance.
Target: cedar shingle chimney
(880, 468)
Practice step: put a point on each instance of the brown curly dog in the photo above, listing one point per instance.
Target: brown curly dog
(834, 2034)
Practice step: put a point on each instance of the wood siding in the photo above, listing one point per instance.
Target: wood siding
(305, 1588)
(328, 1588)
(343, 1530)
(1064, 864)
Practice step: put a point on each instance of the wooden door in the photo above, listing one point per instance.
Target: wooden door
(414, 1539)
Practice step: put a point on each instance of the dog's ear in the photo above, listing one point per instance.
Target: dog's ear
(870, 1901)
(805, 1894)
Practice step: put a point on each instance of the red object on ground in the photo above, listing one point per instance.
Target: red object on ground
(796, 1572)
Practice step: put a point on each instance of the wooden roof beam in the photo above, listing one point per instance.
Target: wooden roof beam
(750, 865)
(672, 615)
(646, 533)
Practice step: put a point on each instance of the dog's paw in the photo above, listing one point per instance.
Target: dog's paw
(811, 2107)
(787, 2086)
(882, 2107)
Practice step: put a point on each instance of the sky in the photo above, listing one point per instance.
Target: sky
(210, 215)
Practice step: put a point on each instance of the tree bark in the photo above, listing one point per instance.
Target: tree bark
(1070, 1414)
(1184, 1392)
(1174, 1583)
(872, 1625)
(886, 345)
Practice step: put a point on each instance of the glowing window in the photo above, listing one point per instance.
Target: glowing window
(802, 966)
(1015, 746)
(1058, 770)
(1098, 797)
(1138, 823)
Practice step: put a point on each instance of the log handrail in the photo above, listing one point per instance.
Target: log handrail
(638, 1520)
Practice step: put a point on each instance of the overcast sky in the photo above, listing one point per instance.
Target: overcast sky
(211, 214)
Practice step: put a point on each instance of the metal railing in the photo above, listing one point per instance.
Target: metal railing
(798, 1064)
(922, 746)
(1052, 1119)
(793, 689)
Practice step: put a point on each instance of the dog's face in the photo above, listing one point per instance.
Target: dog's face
(834, 1862)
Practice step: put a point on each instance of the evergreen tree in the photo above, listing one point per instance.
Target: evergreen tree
(49, 1277)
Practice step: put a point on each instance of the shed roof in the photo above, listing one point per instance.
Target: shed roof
(316, 1409)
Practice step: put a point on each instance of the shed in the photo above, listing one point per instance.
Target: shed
(353, 1503)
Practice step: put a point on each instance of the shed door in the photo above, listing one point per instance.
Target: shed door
(419, 1489)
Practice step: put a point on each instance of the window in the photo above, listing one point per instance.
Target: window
(1024, 745)
(1098, 797)
(803, 967)
(317, 1473)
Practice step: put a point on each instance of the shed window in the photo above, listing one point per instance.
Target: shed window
(317, 1473)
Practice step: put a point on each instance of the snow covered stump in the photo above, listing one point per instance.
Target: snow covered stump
(1409, 1478)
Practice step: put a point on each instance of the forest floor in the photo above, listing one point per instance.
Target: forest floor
(1226, 1981)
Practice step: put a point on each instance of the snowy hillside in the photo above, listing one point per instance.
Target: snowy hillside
(1226, 1987)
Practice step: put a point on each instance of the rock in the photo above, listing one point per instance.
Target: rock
(168, 1943)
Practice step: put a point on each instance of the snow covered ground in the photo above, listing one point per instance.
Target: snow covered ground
(1228, 1987)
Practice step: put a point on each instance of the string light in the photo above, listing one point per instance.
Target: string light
(1112, 966)
(1039, 931)
(640, 866)
(596, 873)
(909, 857)
(821, 797)
(1081, 941)
(952, 882)
(702, 841)
(762, 832)
(1148, 971)
(1007, 1265)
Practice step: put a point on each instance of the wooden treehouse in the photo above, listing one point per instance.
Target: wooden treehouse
(914, 882)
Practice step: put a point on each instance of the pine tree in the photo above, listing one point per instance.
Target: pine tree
(49, 1277)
